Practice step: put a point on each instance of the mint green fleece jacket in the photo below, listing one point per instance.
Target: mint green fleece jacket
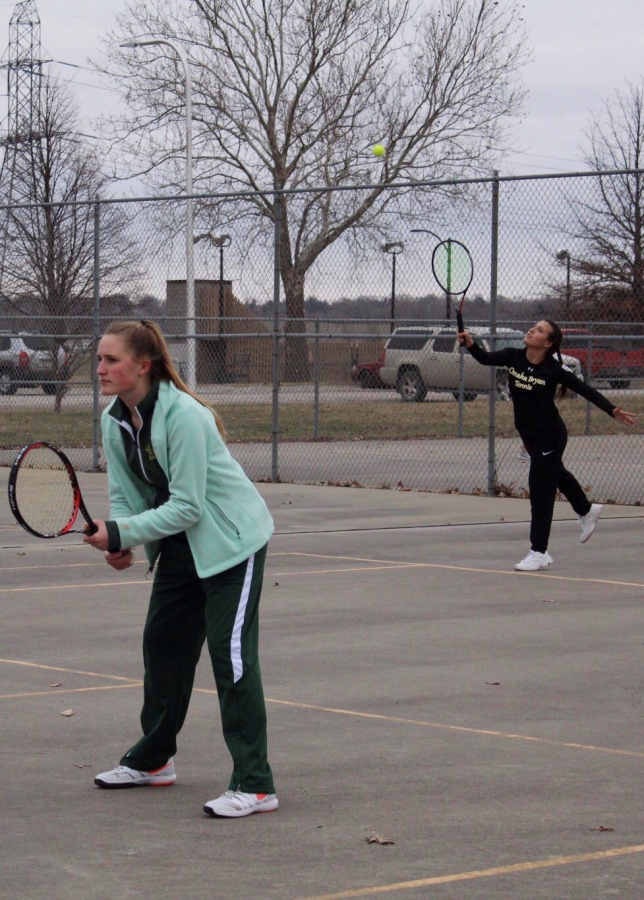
(222, 513)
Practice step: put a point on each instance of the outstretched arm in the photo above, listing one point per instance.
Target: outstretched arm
(589, 393)
(485, 357)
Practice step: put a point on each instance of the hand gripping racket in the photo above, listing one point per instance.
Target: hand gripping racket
(453, 270)
(44, 495)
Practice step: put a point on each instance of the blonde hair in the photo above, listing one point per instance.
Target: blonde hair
(144, 339)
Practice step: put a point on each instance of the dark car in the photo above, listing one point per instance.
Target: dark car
(368, 373)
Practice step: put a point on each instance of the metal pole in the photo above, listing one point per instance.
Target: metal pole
(191, 375)
(494, 272)
(448, 292)
(461, 388)
(221, 362)
(568, 286)
(275, 417)
(393, 294)
(96, 334)
(190, 243)
(316, 381)
(589, 378)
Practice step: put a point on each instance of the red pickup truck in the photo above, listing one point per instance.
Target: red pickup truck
(616, 360)
(368, 373)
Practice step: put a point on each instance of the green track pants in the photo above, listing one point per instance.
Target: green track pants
(184, 611)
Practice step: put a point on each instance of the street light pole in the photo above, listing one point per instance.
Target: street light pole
(564, 255)
(394, 248)
(191, 378)
(440, 241)
(221, 241)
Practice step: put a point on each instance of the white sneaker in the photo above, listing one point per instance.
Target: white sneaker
(233, 804)
(589, 521)
(124, 777)
(534, 561)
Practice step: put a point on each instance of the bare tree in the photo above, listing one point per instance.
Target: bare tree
(292, 94)
(610, 270)
(48, 258)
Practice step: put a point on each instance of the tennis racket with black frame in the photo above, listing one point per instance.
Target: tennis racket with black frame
(44, 494)
(453, 270)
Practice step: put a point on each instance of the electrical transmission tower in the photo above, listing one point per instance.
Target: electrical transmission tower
(24, 64)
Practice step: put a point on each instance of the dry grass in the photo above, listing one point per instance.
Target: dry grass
(380, 420)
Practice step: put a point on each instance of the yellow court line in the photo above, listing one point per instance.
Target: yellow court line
(483, 873)
(32, 665)
(65, 587)
(102, 687)
(478, 571)
(139, 562)
(381, 564)
(423, 723)
(384, 565)
(90, 584)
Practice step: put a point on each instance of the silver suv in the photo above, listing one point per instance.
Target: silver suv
(418, 360)
(30, 361)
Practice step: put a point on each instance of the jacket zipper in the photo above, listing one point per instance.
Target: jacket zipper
(138, 447)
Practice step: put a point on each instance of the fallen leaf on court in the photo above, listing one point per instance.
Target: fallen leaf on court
(21, 554)
(67, 712)
(276, 583)
(82, 766)
(56, 684)
(378, 839)
(601, 828)
(548, 600)
(493, 682)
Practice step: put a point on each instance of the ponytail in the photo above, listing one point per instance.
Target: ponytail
(556, 340)
(145, 340)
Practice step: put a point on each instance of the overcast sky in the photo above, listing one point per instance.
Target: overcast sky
(583, 50)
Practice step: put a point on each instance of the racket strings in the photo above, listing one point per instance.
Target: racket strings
(44, 493)
(453, 267)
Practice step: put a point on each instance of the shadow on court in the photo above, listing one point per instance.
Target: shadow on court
(489, 723)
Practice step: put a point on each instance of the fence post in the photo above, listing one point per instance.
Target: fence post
(494, 271)
(589, 378)
(275, 416)
(461, 388)
(316, 382)
(96, 335)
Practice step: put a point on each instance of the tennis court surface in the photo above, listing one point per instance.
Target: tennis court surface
(488, 723)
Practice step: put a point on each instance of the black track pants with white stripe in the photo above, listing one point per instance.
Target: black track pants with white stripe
(184, 611)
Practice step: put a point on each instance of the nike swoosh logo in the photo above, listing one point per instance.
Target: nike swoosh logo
(547, 452)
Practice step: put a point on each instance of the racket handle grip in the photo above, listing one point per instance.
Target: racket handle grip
(459, 322)
(91, 528)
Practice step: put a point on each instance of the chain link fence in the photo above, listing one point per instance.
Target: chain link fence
(321, 336)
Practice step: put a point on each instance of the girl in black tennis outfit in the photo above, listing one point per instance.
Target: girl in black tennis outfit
(535, 374)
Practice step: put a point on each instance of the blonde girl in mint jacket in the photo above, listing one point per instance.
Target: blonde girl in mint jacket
(175, 489)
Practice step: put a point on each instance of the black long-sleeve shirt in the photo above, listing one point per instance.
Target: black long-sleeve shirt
(533, 387)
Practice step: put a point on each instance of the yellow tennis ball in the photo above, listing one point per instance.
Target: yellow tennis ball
(379, 150)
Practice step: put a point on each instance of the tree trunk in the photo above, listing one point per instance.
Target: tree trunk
(296, 366)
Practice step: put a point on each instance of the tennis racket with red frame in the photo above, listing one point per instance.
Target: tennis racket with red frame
(453, 270)
(44, 494)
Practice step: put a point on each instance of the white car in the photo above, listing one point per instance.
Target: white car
(419, 359)
(30, 361)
